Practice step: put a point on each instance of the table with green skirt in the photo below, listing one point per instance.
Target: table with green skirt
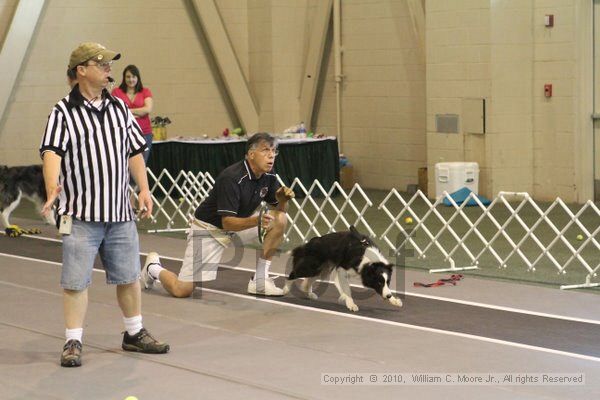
(305, 159)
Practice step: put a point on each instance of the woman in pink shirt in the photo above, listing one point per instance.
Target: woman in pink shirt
(139, 100)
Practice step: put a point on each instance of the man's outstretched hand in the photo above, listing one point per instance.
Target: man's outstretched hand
(284, 194)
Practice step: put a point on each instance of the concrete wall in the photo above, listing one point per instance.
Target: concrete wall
(395, 80)
(7, 9)
(383, 94)
(501, 51)
(155, 35)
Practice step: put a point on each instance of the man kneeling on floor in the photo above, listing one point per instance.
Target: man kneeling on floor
(228, 217)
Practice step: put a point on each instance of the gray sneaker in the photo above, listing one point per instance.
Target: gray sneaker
(71, 355)
(143, 342)
(147, 279)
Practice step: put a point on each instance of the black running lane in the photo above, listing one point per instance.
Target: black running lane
(552, 333)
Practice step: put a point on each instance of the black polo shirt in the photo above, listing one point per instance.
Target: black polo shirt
(238, 193)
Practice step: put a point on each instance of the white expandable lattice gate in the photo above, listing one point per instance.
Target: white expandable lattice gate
(176, 198)
(299, 213)
(524, 244)
(513, 230)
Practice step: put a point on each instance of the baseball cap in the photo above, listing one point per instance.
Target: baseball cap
(91, 51)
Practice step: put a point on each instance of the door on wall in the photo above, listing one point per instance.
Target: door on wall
(597, 100)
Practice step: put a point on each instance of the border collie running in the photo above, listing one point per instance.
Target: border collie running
(341, 254)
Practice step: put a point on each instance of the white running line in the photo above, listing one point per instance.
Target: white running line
(369, 319)
(407, 293)
(438, 298)
(446, 299)
(410, 326)
(31, 259)
(502, 308)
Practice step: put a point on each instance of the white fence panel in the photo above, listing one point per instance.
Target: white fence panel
(513, 229)
(310, 209)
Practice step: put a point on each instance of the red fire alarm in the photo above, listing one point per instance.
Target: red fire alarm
(549, 20)
(548, 90)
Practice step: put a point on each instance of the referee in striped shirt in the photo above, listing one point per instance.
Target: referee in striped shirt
(91, 144)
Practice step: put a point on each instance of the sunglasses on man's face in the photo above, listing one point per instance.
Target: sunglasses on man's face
(103, 65)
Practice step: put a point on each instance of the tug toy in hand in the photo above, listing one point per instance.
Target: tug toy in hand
(262, 228)
(284, 194)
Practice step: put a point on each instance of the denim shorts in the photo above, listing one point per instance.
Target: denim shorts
(118, 246)
(146, 153)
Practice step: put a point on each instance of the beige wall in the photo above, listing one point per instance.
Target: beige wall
(7, 9)
(501, 51)
(383, 99)
(235, 16)
(383, 94)
(278, 40)
(278, 45)
(458, 68)
(394, 80)
(157, 36)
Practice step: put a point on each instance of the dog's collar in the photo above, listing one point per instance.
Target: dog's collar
(76, 99)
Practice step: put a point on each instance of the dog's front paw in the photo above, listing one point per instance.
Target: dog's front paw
(311, 296)
(395, 301)
(351, 305)
(348, 302)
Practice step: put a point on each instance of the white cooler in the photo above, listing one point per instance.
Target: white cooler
(451, 176)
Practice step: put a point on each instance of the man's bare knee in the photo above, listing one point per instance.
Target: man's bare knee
(183, 289)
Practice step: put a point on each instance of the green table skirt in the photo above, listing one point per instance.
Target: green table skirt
(307, 161)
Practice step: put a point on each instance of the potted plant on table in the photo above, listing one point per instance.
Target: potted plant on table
(159, 127)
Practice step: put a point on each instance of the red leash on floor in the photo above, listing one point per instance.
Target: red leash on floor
(451, 281)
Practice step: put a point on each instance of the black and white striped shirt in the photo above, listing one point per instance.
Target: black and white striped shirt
(95, 143)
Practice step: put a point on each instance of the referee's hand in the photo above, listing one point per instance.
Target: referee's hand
(51, 198)
(145, 203)
(283, 194)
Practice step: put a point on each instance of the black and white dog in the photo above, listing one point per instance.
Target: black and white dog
(19, 182)
(341, 254)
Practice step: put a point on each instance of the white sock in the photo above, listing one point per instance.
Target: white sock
(262, 272)
(76, 334)
(133, 325)
(154, 270)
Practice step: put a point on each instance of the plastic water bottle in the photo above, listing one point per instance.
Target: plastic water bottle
(301, 130)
